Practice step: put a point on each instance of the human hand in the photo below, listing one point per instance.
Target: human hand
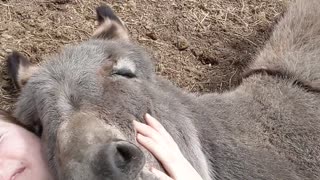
(154, 137)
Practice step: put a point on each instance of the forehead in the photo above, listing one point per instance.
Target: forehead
(98, 51)
(7, 126)
(87, 60)
(71, 78)
(7, 120)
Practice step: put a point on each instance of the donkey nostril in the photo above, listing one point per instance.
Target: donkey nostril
(128, 156)
(119, 159)
(123, 155)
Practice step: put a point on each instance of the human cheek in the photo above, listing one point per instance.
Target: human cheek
(18, 146)
(24, 150)
(38, 166)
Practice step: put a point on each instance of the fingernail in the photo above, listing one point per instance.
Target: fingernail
(136, 122)
(138, 135)
(148, 115)
(139, 138)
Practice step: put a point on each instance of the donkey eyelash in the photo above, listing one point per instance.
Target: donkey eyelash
(124, 72)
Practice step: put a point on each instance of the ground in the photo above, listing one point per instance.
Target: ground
(200, 45)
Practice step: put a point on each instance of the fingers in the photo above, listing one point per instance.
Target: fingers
(161, 175)
(148, 132)
(155, 148)
(158, 141)
(157, 144)
(155, 124)
(151, 121)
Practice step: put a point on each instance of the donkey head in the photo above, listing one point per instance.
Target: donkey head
(82, 103)
(83, 100)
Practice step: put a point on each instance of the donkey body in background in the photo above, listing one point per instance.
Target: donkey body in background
(85, 98)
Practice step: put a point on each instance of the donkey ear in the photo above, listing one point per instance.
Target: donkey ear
(20, 69)
(110, 26)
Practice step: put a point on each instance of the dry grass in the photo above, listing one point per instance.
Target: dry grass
(221, 36)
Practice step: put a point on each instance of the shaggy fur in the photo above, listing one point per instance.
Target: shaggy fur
(86, 97)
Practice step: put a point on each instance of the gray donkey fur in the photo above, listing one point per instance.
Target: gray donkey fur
(86, 97)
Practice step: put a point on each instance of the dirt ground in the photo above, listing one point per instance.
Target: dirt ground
(200, 45)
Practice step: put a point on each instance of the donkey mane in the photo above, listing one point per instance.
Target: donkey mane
(282, 75)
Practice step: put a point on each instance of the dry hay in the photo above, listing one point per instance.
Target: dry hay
(219, 37)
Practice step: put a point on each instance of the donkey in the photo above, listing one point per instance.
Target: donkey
(82, 102)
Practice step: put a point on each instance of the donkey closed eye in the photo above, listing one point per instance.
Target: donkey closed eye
(125, 73)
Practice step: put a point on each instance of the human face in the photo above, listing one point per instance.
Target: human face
(20, 154)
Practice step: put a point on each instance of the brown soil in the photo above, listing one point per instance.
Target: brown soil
(201, 45)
